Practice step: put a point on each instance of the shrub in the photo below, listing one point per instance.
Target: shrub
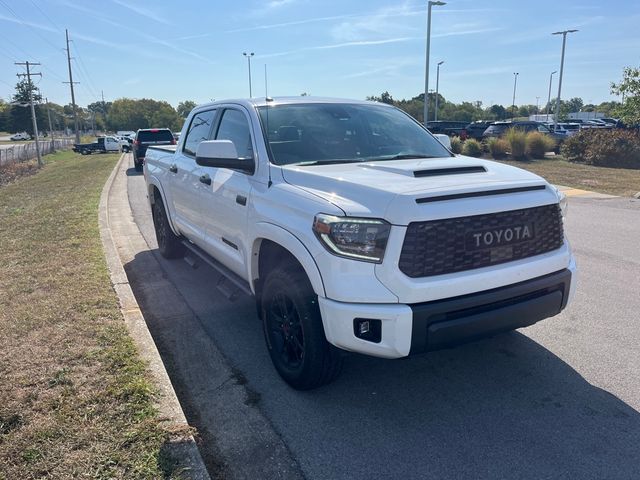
(517, 141)
(549, 144)
(498, 147)
(614, 148)
(536, 147)
(456, 145)
(574, 148)
(604, 148)
(472, 148)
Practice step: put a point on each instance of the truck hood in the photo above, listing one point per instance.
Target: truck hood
(402, 191)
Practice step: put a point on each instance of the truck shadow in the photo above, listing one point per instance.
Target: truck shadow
(505, 407)
(132, 172)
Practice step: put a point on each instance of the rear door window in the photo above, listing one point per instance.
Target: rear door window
(199, 131)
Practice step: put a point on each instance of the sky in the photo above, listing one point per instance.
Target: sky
(193, 49)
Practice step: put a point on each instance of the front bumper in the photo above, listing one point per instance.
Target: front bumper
(421, 327)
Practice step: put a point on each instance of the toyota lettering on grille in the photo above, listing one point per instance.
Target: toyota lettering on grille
(500, 236)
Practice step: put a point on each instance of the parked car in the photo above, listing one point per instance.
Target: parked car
(570, 128)
(20, 136)
(355, 229)
(101, 145)
(475, 130)
(145, 138)
(498, 129)
(125, 143)
(446, 127)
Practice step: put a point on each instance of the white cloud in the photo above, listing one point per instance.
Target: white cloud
(28, 24)
(359, 43)
(142, 11)
(279, 3)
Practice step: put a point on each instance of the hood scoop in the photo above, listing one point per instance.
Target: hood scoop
(483, 193)
(437, 172)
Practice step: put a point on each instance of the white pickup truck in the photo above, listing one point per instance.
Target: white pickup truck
(356, 229)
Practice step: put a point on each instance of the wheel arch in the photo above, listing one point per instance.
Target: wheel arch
(273, 245)
(154, 191)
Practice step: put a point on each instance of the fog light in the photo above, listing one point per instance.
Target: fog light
(368, 329)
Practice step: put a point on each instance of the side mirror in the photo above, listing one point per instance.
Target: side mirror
(222, 154)
(443, 139)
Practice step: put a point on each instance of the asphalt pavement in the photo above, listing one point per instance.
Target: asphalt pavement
(560, 399)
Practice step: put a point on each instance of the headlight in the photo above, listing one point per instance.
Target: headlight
(357, 238)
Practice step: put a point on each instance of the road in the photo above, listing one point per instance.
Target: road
(560, 399)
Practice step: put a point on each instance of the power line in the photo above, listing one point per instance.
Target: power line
(46, 16)
(84, 71)
(28, 24)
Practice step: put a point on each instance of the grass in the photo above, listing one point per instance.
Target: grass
(77, 401)
(614, 181)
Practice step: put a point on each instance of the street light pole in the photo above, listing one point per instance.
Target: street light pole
(249, 55)
(437, 88)
(513, 103)
(549, 99)
(564, 43)
(426, 74)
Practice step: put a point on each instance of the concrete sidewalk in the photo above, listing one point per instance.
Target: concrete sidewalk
(235, 438)
(117, 231)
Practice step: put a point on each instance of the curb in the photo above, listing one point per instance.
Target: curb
(184, 450)
(578, 192)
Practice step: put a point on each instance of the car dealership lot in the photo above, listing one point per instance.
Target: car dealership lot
(559, 399)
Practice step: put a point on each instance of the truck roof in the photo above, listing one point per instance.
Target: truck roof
(262, 101)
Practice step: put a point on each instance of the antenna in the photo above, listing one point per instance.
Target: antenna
(266, 92)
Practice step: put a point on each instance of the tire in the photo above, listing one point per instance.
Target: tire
(84, 152)
(298, 348)
(169, 243)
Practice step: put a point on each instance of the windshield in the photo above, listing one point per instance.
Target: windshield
(322, 133)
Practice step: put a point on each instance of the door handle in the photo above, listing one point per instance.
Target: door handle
(173, 168)
(206, 179)
(241, 200)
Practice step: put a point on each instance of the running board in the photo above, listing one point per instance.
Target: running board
(230, 284)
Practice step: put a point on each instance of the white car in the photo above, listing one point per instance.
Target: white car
(20, 136)
(356, 229)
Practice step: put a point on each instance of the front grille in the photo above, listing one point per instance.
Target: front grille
(443, 246)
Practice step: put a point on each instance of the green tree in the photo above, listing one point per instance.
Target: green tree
(629, 89)
(129, 114)
(184, 108)
(20, 115)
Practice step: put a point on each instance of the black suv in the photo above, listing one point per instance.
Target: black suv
(447, 127)
(146, 137)
(476, 129)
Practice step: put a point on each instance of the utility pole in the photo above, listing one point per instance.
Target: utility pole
(249, 55)
(549, 99)
(564, 44)
(53, 140)
(437, 87)
(513, 103)
(71, 83)
(426, 72)
(33, 110)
